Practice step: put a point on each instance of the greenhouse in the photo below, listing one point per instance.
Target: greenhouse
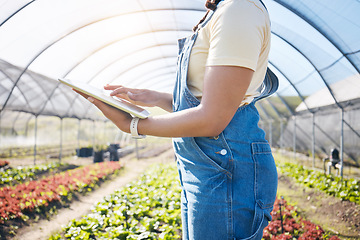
(313, 116)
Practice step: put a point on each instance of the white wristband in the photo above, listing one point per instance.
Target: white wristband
(133, 128)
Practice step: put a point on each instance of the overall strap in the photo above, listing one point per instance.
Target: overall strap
(269, 86)
(263, 4)
(211, 13)
(271, 82)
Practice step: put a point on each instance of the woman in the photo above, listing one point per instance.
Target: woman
(226, 168)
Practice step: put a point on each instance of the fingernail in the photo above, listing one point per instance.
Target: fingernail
(91, 99)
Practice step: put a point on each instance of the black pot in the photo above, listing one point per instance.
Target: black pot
(99, 156)
(84, 152)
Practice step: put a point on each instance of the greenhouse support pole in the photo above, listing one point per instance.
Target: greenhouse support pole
(104, 130)
(313, 140)
(93, 142)
(342, 144)
(117, 136)
(61, 138)
(35, 134)
(27, 127)
(294, 137)
(78, 135)
(137, 149)
(128, 138)
(0, 130)
(122, 140)
(262, 124)
(270, 132)
(281, 134)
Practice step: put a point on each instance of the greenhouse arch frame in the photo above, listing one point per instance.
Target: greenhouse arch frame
(315, 53)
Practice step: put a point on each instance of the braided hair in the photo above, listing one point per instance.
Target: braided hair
(210, 5)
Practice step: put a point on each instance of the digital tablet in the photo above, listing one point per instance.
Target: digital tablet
(112, 101)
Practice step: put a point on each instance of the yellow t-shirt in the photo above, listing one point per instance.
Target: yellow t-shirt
(238, 34)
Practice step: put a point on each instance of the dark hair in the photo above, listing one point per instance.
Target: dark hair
(210, 5)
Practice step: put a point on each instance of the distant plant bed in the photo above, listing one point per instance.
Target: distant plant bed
(145, 209)
(38, 198)
(41, 151)
(13, 176)
(150, 209)
(346, 189)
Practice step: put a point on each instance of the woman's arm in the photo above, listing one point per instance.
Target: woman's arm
(224, 89)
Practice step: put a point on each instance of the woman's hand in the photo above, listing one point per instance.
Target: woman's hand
(142, 97)
(120, 118)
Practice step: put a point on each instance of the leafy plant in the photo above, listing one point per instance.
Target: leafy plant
(100, 147)
(346, 189)
(15, 201)
(145, 209)
(3, 163)
(287, 224)
(20, 174)
(149, 208)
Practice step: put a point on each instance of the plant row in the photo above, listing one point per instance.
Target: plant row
(145, 209)
(3, 163)
(43, 150)
(26, 198)
(13, 176)
(149, 209)
(346, 189)
(287, 224)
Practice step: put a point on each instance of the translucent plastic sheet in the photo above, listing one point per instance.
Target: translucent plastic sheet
(315, 52)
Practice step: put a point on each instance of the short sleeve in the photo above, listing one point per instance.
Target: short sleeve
(236, 34)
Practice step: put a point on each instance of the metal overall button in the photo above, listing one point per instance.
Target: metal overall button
(222, 152)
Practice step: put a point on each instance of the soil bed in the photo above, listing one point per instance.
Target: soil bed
(43, 228)
(332, 214)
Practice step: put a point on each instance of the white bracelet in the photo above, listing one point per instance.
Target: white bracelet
(134, 130)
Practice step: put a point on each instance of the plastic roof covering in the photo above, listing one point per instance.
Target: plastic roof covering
(315, 44)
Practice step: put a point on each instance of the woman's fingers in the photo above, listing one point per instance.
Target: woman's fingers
(121, 91)
(129, 94)
(112, 87)
(142, 97)
(137, 97)
(118, 91)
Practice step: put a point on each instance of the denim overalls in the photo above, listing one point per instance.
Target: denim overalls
(229, 181)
